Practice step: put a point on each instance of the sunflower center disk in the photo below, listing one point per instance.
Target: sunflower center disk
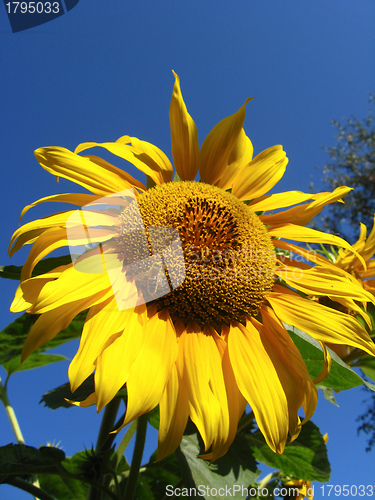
(228, 257)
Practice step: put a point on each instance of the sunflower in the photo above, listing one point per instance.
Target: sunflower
(361, 267)
(185, 283)
(365, 248)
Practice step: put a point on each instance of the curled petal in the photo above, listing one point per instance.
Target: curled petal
(63, 163)
(303, 214)
(218, 146)
(261, 174)
(185, 146)
(321, 322)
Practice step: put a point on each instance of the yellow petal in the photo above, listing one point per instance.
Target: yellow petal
(370, 272)
(19, 303)
(151, 369)
(279, 200)
(89, 401)
(199, 367)
(291, 381)
(73, 198)
(321, 322)
(47, 242)
(324, 282)
(151, 155)
(114, 363)
(303, 214)
(174, 413)
(56, 237)
(291, 358)
(185, 146)
(302, 253)
(261, 174)
(48, 325)
(108, 166)
(70, 286)
(275, 331)
(239, 157)
(219, 388)
(370, 286)
(236, 402)
(259, 382)
(31, 288)
(144, 156)
(219, 144)
(102, 327)
(63, 163)
(327, 363)
(29, 232)
(301, 233)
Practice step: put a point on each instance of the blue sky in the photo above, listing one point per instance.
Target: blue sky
(103, 70)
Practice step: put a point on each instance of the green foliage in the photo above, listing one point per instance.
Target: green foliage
(341, 377)
(352, 163)
(44, 266)
(306, 458)
(237, 466)
(63, 478)
(13, 337)
(57, 397)
(367, 365)
(19, 459)
(157, 476)
(154, 417)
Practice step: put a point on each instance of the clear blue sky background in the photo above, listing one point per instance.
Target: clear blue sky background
(104, 70)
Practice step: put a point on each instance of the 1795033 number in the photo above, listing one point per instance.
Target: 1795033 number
(33, 7)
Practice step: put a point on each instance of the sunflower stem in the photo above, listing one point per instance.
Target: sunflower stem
(30, 488)
(137, 458)
(107, 425)
(125, 441)
(11, 415)
(105, 439)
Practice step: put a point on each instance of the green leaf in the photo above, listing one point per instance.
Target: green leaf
(64, 487)
(329, 395)
(154, 417)
(36, 360)
(237, 467)
(56, 398)
(13, 337)
(306, 458)
(367, 364)
(341, 376)
(44, 266)
(156, 476)
(19, 459)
